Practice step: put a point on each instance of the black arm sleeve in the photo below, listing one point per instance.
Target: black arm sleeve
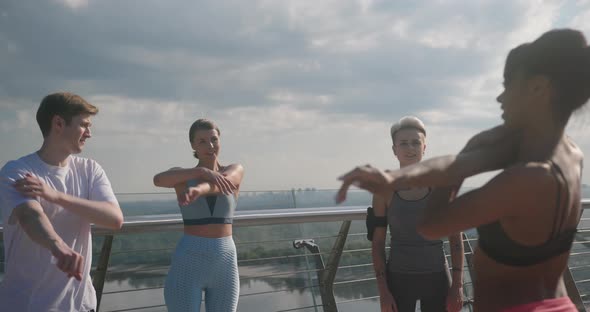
(373, 221)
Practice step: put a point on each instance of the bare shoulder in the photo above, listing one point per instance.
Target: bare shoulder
(516, 191)
(232, 168)
(380, 203)
(575, 151)
(521, 182)
(532, 173)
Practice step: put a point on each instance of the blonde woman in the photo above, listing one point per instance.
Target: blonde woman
(416, 268)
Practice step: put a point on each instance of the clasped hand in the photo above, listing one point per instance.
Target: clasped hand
(33, 187)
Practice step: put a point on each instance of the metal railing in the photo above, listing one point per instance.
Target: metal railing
(326, 273)
(326, 278)
(252, 218)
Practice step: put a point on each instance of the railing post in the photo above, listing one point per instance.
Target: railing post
(294, 198)
(572, 290)
(328, 275)
(469, 260)
(319, 262)
(102, 268)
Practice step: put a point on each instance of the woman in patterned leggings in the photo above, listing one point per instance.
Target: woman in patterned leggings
(205, 259)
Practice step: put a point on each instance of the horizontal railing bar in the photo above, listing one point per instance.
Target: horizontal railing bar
(241, 295)
(119, 271)
(173, 222)
(294, 238)
(121, 252)
(354, 266)
(354, 281)
(284, 240)
(356, 234)
(288, 192)
(307, 254)
(357, 250)
(274, 258)
(140, 308)
(301, 308)
(279, 274)
(115, 271)
(579, 253)
(359, 299)
(132, 290)
(278, 290)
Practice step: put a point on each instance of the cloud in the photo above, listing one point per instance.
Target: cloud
(136, 122)
(294, 85)
(581, 20)
(356, 52)
(74, 4)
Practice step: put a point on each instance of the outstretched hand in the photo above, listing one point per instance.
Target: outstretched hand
(365, 177)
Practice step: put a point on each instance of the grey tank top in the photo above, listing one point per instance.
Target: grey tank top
(212, 209)
(410, 252)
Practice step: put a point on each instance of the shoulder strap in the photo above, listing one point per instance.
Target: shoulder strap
(560, 213)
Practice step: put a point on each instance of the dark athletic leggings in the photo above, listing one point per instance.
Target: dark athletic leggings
(430, 288)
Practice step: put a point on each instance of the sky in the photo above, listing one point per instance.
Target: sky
(302, 90)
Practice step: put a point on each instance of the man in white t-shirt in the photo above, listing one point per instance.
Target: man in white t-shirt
(48, 200)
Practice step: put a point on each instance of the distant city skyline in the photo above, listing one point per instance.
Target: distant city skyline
(302, 90)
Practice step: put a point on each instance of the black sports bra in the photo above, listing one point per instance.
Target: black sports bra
(494, 241)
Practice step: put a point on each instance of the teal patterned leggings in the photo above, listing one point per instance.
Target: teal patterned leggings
(199, 265)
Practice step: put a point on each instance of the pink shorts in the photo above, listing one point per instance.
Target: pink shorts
(563, 304)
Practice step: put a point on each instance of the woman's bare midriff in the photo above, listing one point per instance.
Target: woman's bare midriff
(209, 230)
(501, 286)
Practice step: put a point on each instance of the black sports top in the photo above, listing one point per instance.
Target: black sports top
(494, 241)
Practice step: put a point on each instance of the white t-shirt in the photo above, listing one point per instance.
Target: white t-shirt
(32, 281)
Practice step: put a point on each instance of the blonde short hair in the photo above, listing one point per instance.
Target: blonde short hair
(407, 122)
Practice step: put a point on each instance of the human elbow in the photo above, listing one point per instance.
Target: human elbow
(116, 220)
(158, 180)
(115, 224)
(118, 223)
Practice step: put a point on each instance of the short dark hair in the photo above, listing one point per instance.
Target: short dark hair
(64, 104)
(201, 124)
(563, 56)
